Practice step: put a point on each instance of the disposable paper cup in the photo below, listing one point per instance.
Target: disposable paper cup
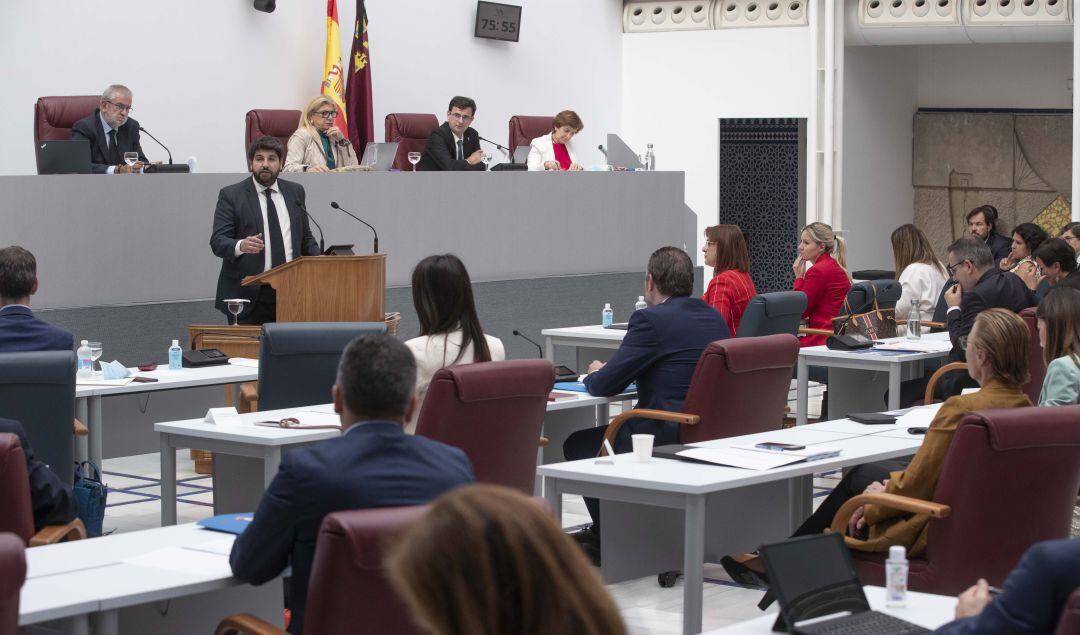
(642, 447)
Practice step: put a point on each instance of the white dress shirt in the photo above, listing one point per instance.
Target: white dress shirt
(921, 282)
(433, 352)
(283, 221)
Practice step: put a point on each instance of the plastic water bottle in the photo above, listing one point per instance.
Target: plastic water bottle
(640, 304)
(175, 356)
(896, 572)
(607, 317)
(86, 362)
(650, 158)
(914, 324)
(191, 163)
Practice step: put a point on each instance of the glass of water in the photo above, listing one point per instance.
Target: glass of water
(131, 158)
(95, 354)
(235, 306)
(485, 158)
(374, 156)
(414, 158)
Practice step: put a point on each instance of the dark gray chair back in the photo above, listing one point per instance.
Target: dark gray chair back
(861, 295)
(38, 390)
(298, 360)
(772, 314)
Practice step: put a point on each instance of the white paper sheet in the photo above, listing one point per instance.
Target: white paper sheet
(747, 459)
(918, 417)
(184, 560)
(98, 381)
(921, 346)
(244, 361)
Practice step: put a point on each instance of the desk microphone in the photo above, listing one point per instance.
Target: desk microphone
(601, 149)
(141, 129)
(538, 347)
(501, 147)
(355, 217)
(322, 246)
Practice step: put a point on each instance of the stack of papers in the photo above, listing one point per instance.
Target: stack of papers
(918, 417)
(308, 419)
(918, 346)
(98, 380)
(749, 457)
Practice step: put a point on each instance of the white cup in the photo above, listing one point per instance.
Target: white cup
(642, 447)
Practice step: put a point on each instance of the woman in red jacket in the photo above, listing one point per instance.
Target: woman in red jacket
(826, 282)
(731, 287)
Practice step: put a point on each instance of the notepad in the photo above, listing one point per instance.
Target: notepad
(752, 458)
(306, 420)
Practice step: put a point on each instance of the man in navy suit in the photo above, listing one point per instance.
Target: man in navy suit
(259, 223)
(20, 330)
(660, 352)
(373, 464)
(1032, 598)
(50, 498)
(111, 133)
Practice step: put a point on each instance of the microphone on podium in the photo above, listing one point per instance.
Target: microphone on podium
(501, 147)
(322, 244)
(355, 217)
(141, 129)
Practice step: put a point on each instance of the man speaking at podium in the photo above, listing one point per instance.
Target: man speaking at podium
(259, 223)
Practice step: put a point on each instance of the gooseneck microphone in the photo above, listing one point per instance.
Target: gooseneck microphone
(322, 245)
(501, 147)
(141, 129)
(538, 347)
(355, 217)
(601, 149)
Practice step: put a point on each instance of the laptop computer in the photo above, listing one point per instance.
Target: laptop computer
(380, 156)
(819, 592)
(69, 156)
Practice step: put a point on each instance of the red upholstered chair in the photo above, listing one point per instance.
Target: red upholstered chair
(1009, 481)
(525, 128)
(18, 516)
(12, 576)
(54, 116)
(494, 411)
(1069, 622)
(348, 579)
(275, 123)
(410, 131)
(727, 372)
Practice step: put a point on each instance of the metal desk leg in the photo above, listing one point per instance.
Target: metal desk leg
(894, 386)
(77, 625)
(693, 563)
(236, 396)
(106, 622)
(82, 444)
(94, 425)
(549, 349)
(553, 496)
(802, 391)
(801, 495)
(603, 414)
(271, 461)
(168, 481)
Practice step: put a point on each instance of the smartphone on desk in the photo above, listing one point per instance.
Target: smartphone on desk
(780, 447)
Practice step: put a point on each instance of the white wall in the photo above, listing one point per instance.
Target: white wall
(879, 102)
(677, 85)
(995, 76)
(196, 67)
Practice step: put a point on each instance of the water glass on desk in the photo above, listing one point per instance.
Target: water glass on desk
(414, 158)
(131, 158)
(485, 158)
(95, 354)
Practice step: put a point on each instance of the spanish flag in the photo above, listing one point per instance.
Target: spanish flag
(333, 84)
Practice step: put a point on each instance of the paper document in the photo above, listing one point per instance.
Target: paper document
(304, 420)
(751, 458)
(919, 346)
(918, 417)
(244, 361)
(99, 381)
(557, 395)
(185, 560)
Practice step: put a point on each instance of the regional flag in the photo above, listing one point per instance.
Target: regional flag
(358, 94)
(333, 84)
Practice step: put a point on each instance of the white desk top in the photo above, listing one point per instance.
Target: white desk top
(590, 332)
(172, 379)
(823, 352)
(925, 609)
(684, 477)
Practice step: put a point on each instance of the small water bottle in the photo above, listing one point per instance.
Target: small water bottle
(650, 158)
(86, 362)
(191, 163)
(607, 316)
(640, 304)
(896, 571)
(914, 324)
(175, 356)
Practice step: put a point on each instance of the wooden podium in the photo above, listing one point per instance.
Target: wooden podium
(328, 288)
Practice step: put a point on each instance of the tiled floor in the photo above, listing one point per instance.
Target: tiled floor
(133, 504)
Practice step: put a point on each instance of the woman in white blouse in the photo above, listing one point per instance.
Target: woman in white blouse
(554, 151)
(450, 331)
(921, 274)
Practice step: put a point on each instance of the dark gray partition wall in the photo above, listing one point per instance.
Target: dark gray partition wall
(126, 260)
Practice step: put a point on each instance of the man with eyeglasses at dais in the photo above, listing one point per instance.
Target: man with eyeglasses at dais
(454, 146)
(112, 134)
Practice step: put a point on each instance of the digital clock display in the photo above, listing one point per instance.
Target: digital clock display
(498, 21)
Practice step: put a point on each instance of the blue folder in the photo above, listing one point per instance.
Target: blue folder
(228, 523)
(577, 386)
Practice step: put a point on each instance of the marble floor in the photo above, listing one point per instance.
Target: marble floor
(648, 609)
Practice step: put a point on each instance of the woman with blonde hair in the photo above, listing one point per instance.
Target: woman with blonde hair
(487, 560)
(318, 145)
(920, 274)
(1058, 318)
(554, 151)
(826, 283)
(730, 288)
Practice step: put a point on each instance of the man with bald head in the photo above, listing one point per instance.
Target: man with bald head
(111, 132)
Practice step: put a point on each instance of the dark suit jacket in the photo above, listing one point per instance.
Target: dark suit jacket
(21, 331)
(239, 215)
(127, 140)
(374, 464)
(995, 289)
(51, 499)
(441, 150)
(660, 351)
(1033, 595)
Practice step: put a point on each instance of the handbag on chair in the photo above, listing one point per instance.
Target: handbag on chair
(875, 323)
(90, 494)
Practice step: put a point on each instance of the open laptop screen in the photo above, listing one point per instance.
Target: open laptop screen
(813, 576)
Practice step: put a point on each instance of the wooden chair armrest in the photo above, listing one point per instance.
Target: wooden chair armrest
(928, 396)
(926, 323)
(243, 623)
(544, 442)
(893, 501)
(806, 330)
(80, 428)
(644, 413)
(52, 534)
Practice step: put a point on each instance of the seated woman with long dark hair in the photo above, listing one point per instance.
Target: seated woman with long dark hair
(450, 330)
(1058, 317)
(1026, 238)
(730, 288)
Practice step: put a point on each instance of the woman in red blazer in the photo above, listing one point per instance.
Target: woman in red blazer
(826, 283)
(731, 287)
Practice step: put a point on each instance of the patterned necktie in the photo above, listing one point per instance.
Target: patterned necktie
(277, 243)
